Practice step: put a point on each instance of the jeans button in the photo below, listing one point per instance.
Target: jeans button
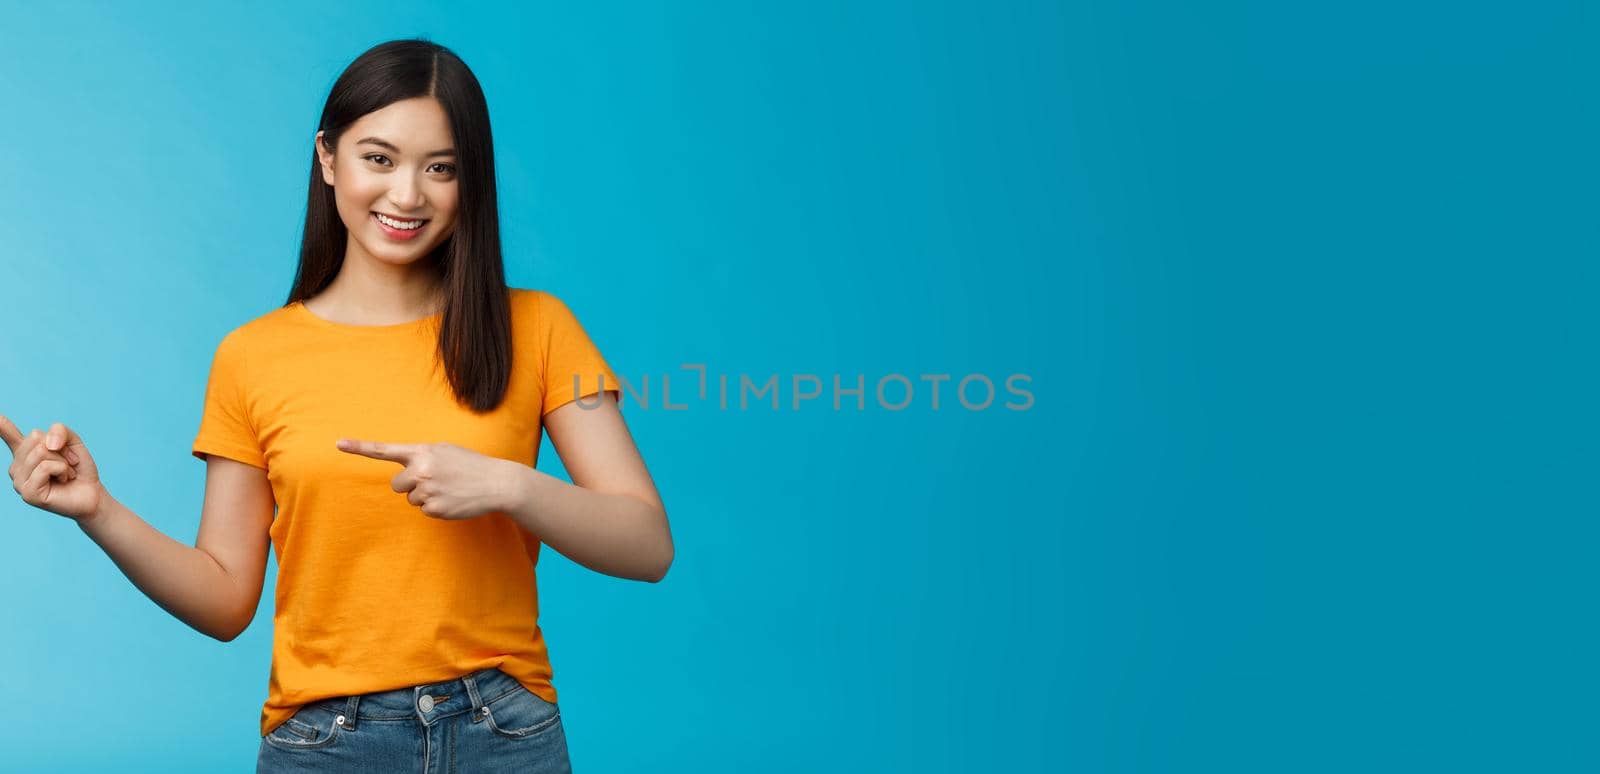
(426, 703)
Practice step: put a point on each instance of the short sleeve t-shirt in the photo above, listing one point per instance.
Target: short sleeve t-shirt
(372, 593)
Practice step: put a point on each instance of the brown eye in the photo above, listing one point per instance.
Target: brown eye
(375, 157)
(448, 169)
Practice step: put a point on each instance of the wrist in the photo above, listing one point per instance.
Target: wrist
(521, 494)
(102, 508)
(514, 485)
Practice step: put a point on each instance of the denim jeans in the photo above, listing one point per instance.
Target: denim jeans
(482, 722)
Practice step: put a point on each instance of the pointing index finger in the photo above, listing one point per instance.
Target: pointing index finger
(9, 432)
(394, 452)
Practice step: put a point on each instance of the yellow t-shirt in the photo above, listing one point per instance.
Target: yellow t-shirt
(372, 593)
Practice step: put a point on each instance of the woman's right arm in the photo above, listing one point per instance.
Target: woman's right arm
(213, 586)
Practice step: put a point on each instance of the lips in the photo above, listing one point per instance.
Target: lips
(398, 218)
(399, 234)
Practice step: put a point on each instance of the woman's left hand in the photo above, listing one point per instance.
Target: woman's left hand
(445, 480)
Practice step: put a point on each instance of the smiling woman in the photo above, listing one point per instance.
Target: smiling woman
(379, 432)
(401, 344)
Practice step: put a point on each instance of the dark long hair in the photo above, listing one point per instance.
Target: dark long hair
(475, 328)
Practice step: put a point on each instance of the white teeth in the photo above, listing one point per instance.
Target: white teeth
(401, 224)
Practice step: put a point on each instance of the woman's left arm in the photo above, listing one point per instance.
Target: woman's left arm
(610, 519)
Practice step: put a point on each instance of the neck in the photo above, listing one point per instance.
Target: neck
(370, 291)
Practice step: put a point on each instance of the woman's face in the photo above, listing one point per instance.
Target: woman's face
(399, 161)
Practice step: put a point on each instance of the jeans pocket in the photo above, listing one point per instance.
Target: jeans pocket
(521, 714)
(309, 728)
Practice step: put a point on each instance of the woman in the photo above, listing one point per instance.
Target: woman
(390, 411)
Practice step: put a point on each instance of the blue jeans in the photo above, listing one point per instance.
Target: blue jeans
(482, 722)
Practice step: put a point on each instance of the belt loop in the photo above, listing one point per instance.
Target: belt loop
(350, 712)
(478, 710)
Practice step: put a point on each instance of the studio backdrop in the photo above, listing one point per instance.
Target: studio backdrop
(1038, 386)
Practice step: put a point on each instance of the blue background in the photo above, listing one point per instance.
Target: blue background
(1306, 293)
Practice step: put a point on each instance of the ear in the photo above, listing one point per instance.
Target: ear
(325, 158)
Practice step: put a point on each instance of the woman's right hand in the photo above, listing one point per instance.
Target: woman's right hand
(53, 471)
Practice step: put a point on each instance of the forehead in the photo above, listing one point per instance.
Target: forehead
(416, 125)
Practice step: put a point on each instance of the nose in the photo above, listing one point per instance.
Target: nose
(405, 195)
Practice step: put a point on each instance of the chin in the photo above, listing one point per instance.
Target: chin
(399, 256)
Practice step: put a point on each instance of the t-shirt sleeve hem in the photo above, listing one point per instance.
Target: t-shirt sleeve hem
(561, 399)
(238, 453)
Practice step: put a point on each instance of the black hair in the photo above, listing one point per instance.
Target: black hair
(475, 327)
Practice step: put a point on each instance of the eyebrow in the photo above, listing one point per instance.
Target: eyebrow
(386, 144)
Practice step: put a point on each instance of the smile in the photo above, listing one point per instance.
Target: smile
(398, 229)
(398, 223)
